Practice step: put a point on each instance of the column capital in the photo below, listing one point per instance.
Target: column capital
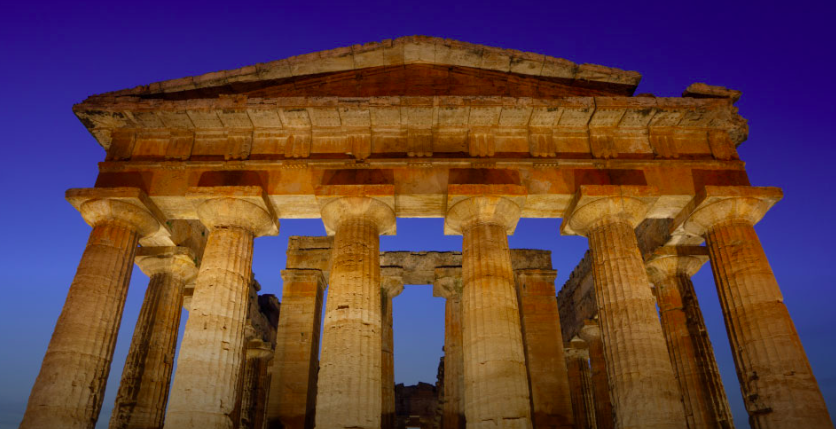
(304, 275)
(447, 282)
(179, 261)
(336, 210)
(500, 209)
(590, 331)
(714, 205)
(391, 281)
(594, 203)
(665, 267)
(128, 206)
(245, 207)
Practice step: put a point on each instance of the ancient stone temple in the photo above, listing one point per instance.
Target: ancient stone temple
(196, 169)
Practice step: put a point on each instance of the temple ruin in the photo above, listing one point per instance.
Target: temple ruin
(198, 168)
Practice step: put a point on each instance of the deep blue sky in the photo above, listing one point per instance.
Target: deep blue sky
(54, 55)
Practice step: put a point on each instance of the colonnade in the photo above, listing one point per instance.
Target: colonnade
(505, 364)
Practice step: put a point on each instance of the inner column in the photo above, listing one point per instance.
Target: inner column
(349, 388)
(496, 382)
(448, 284)
(391, 285)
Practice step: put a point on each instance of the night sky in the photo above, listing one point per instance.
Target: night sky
(55, 55)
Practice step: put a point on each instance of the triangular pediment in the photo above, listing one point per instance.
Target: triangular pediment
(407, 66)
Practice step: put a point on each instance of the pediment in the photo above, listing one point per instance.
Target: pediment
(407, 66)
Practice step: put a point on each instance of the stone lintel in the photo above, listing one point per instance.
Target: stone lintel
(677, 251)
(592, 202)
(134, 196)
(715, 204)
(265, 223)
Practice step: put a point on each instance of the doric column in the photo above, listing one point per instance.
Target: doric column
(292, 399)
(448, 284)
(210, 361)
(644, 390)
(779, 388)
(543, 340)
(256, 384)
(691, 353)
(69, 389)
(495, 377)
(349, 387)
(391, 285)
(591, 334)
(146, 377)
(580, 382)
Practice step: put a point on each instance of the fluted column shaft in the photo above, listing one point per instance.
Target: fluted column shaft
(543, 339)
(349, 387)
(632, 336)
(453, 407)
(591, 334)
(642, 384)
(496, 382)
(203, 395)
(210, 363)
(580, 382)
(69, 390)
(387, 366)
(292, 399)
(146, 377)
(691, 353)
(256, 385)
(778, 385)
(391, 285)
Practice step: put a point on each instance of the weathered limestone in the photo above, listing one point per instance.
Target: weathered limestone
(256, 383)
(643, 386)
(496, 382)
(349, 387)
(70, 386)
(591, 334)
(550, 397)
(292, 399)
(210, 362)
(778, 385)
(448, 285)
(580, 381)
(146, 378)
(691, 353)
(391, 285)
